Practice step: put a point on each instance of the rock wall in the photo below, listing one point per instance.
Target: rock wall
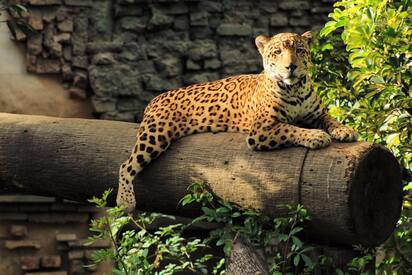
(42, 235)
(128, 51)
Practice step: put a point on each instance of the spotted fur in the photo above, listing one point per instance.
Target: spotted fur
(277, 108)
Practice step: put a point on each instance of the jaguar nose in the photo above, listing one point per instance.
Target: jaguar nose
(291, 68)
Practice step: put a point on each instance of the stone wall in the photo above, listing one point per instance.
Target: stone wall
(42, 235)
(127, 51)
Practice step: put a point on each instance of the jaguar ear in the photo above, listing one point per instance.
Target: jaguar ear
(308, 37)
(261, 42)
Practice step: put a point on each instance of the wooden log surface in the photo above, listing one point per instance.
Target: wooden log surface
(353, 191)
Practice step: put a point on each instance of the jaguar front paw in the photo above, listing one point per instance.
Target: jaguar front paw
(317, 139)
(344, 133)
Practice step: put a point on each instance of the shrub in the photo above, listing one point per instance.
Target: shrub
(363, 71)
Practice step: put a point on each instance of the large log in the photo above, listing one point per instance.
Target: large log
(352, 190)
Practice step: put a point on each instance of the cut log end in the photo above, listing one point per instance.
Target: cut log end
(375, 195)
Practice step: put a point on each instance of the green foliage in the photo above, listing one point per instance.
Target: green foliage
(17, 20)
(143, 251)
(278, 238)
(363, 71)
(166, 250)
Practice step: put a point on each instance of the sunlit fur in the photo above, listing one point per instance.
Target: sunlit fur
(285, 56)
(274, 109)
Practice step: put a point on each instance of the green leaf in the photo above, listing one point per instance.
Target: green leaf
(296, 260)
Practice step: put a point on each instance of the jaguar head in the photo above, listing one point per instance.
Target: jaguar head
(285, 56)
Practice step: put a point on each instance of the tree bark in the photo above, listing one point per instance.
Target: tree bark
(244, 259)
(353, 191)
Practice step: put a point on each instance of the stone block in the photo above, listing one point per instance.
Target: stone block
(51, 261)
(75, 254)
(30, 262)
(48, 66)
(56, 49)
(131, 52)
(16, 244)
(97, 47)
(8, 208)
(48, 35)
(80, 62)
(89, 208)
(67, 53)
(103, 59)
(63, 38)
(103, 105)
(80, 35)
(212, 64)
(181, 23)
(67, 207)
(67, 72)
(26, 199)
(80, 81)
(269, 6)
(134, 10)
(321, 9)
(230, 56)
(77, 267)
(134, 24)
(155, 83)
(49, 15)
(159, 20)
(114, 80)
(45, 2)
(144, 67)
(36, 22)
(35, 44)
(170, 66)
(202, 49)
(34, 207)
(178, 8)
(229, 29)
(19, 35)
(129, 104)
(299, 21)
(96, 244)
(66, 237)
(279, 20)
(210, 6)
(31, 63)
(125, 116)
(18, 231)
(77, 93)
(58, 218)
(66, 25)
(192, 65)
(81, 3)
(199, 78)
(199, 18)
(125, 2)
(294, 5)
(201, 32)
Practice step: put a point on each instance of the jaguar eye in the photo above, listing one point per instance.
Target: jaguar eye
(277, 51)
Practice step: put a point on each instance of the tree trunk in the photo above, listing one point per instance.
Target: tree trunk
(244, 259)
(353, 191)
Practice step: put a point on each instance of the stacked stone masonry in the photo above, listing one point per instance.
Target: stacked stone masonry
(44, 236)
(125, 52)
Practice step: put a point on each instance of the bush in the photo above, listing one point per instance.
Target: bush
(363, 71)
(168, 250)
